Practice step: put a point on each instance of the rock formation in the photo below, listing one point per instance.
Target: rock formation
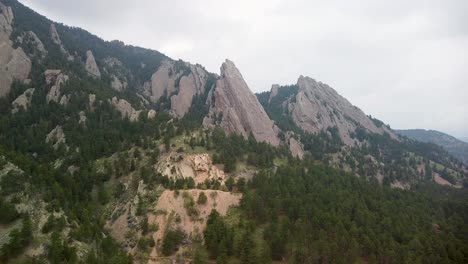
(200, 167)
(177, 82)
(82, 116)
(30, 38)
(56, 137)
(126, 109)
(296, 148)
(91, 66)
(14, 63)
(6, 21)
(236, 109)
(23, 101)
(118, 85)
(57, 79)
(151, 114)
(56, 39)
(91, 101)
(317, 107)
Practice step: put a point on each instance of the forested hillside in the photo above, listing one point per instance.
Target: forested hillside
(106, 157)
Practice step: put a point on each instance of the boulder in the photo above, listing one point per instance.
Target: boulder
(23, 101)
(91, 66)
(236, 109)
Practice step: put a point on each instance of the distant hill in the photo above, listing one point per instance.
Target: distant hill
(454, 146)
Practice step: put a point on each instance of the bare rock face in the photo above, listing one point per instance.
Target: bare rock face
(317, 107)
(56, 39)
(91, 101)
(91, 66)
(6, 21)
(296, 148)
(23, 101)
(57, 78)
(56, 137)
(82, 116)
(236, 109)
(200, 167)
(126, 109)
(30, 38)
(179, 84)
(118, 85)
(151, 114)
(274, 91)
(14, 63)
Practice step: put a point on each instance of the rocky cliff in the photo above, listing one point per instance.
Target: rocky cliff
(235, 108)
(14, 63)
(178, 82)
(316, 107)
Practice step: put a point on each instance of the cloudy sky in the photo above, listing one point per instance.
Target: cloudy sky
(404, 62)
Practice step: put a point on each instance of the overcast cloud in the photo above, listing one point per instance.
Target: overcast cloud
(404, 62)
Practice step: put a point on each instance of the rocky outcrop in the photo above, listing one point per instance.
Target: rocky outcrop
(316, 107)
(200, 167)
(23, 101)
(92, 101)
(91, 66)
(151, 114)
(30, 38)
(6, 21)
(126, 109)
(236, 109)
(118, 85)
(56, 39)
(82, 116)
(14, 63)
(57, 79)
(296, 148)
(179, 82)
(56, 137)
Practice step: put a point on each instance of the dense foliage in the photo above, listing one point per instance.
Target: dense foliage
(312, 214)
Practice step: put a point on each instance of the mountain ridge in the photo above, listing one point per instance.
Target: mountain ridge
(454, 146)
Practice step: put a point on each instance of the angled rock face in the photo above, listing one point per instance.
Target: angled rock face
(57, 78)
(91, 66)
(23, 101)
(236, 109)
(151, 114)
(6, 21)
(14, 63)
(126, 109)
(56, 39)
(30, 38)
(178, 84)
(117, 84)
(317, 107)
(56, 137)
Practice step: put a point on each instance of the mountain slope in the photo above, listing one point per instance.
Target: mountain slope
(104, 158)
(338, 133)
(454, 146)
